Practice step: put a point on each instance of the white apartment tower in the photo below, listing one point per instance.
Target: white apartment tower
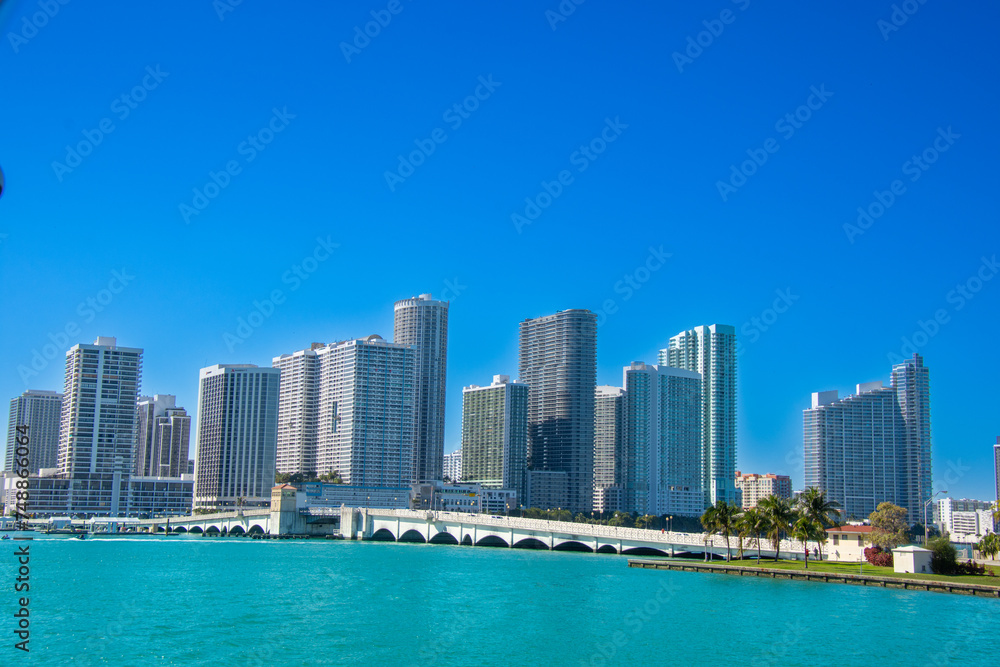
(609, 432)
(41, 412)
(163, 436)
(98, 421)
(711, 351)
(557, 359)
(237, 435)
(422, 322)
(298, 411)
(453, 465)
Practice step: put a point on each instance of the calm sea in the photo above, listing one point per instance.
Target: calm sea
(195, 601)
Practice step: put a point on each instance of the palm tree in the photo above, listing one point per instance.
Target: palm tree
(804, 529)
(752, 522)
(721, 518)
(778, 515)
(813, 504)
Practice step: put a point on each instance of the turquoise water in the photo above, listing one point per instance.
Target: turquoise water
(196, 601)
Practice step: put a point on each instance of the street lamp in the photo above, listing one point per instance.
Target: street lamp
(670, 524)
(925, 512)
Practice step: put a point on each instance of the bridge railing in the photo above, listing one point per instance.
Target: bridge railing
(594, 530)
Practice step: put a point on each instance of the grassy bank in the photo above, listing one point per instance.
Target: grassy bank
(871, 570)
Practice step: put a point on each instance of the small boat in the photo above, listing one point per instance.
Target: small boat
(5, 537)
(81, 536)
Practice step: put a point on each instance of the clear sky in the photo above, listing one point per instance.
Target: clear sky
(586, 150)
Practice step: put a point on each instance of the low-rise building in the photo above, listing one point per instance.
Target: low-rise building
(847, 543)
(966, 520)
(754, 487)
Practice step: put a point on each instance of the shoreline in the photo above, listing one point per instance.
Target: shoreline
(901, 583)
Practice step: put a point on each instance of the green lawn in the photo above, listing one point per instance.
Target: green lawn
(855, 568)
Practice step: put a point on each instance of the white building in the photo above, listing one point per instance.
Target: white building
(163, 437)
(41, 412)
(846, 543)
(453, 465)
(754, 488)
(297, 411)
(965, 520)
(873, 446)
(422, 322)
(609, 438)
(237, 435)
(711, 351)
(662, 467)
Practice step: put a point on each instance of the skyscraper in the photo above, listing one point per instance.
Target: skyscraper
(365, 412)
(453, 465)
(97, 422)
(873, 446)
(298, 411)
(609, 431)
(495, 435)
(237, 435)
(661, 463)
(711, 351)
(996, 466)
(557, 359)
(41, 412)
(422, 323)
(163, 436)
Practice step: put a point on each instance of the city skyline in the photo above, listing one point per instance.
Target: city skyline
(637, 229)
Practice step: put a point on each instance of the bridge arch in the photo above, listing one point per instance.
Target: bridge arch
(237, 530)
(213, 530)
(530, 543)
(607, 549)
(572, 545)
(492, 541)
(444, 537)
(383, 535)
(197, 530)
(644, 551)
(180, 529)
(256, 529)
(412, 535)
(467, 540)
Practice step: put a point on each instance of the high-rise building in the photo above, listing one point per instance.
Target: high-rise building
(237, 435)
(711, 351)
(163, 436)
(495, 435)
(873, 446)
(557, 359)
(298, 411)
(365, 425)
(754, 487)
(996, 466)
(98, 423)
(41, 412)
(661, 462)
(609, 431)
(966, 520)
(453, 466)
(422, 322)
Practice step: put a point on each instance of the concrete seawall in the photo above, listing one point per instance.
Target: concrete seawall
(825, 577)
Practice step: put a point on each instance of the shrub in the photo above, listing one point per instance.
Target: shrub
(943, 555)
(969, 567)
(878, 556)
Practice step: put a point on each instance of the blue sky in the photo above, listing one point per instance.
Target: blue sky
(308, 122)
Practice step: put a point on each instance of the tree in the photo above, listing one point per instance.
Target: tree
(778, 516)
(806, 528)
(649, 521)
(889, 527)
(623, 519)
(721, 518)
(989, 545)
(752, 523)
(281, 478)
(812, 503)
(943, 555)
